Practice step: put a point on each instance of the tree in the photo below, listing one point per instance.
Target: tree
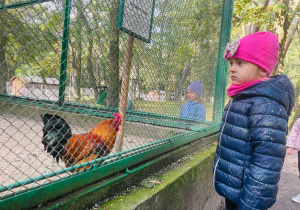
(273, 16)
(280, 17)
(3, 42)
(114, 69)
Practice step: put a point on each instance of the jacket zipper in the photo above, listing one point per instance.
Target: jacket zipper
(220, 138)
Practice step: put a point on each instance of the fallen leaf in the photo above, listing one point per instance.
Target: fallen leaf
(156, 182)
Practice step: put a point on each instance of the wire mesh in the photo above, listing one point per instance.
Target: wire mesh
(65, 58)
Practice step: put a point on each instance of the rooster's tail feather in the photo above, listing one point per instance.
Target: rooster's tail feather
(56, 133)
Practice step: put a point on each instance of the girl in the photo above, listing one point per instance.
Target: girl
(251, 145)
(293, 142)
(193, 109)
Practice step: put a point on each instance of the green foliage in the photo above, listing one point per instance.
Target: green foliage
(184, 46)
(185, 35)
(32, 41)
(246, 11)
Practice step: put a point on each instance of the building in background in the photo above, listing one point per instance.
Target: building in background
(34, 87)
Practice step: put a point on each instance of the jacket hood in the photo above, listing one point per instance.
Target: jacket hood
(278, 88)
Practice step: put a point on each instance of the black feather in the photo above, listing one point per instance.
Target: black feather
(56, 134)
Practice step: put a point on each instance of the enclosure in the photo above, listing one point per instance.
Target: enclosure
(68, 58)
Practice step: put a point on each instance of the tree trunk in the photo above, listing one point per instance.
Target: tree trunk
(255, 28)
(266, 3)
(78, 70)
(282, 31)
(297, 92)
(248, 30)
(3, 42)
(43, 76)
(92, 78)
(113, 88)
(77, 66)
(290, 36)
(296, 107)
(182, 81)
(137, 81)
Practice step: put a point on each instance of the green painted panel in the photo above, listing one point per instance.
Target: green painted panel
(51, 191)
(224, 38)
(64, 54)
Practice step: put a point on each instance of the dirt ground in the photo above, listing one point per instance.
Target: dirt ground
(21, 151)
(291, 163)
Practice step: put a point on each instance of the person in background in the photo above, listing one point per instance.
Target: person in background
(252, 140)
(193, 109)
(293, 142)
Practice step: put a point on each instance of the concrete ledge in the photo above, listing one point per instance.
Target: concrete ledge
(185, 185)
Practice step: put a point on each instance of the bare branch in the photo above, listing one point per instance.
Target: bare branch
(291, 35)
(248, 30)
(255, 25)
(266, 3)
(255, 28)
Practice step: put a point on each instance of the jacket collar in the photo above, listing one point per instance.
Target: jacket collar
(278, 88)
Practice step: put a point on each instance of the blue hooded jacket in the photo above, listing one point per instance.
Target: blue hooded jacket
(251, 148)
(192, 110)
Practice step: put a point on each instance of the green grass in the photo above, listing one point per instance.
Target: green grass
(168, 107)
(160, 107)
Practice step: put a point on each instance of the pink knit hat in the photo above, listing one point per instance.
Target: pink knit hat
(260, 48)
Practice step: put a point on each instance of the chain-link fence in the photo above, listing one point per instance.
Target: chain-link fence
(66, 58)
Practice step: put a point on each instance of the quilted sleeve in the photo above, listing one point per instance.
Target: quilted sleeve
(268, 124)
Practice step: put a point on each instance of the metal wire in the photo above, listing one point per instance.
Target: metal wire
(65, 58)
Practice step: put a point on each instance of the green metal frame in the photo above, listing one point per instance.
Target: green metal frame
(221, 69)
(122, 28)
(22, 4)
(40, 194)
(48, 192)
(108, 112)
(64, 54)
(64, 50)
(95, 163)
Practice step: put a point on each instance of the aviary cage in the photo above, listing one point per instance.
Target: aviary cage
(66, 57)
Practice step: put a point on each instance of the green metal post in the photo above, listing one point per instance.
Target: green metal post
(64, 54)
(221, 71)
(21, 4)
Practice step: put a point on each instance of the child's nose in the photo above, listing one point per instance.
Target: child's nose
(232, 69)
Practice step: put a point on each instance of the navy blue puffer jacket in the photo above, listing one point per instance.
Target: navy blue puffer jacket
(252, 139)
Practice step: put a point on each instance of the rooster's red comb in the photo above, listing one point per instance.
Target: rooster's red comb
(118, 117)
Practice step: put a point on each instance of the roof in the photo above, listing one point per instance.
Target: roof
(39, 80)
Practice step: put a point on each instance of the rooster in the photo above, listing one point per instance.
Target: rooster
(74, 149)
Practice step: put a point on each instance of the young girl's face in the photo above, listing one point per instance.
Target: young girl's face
(191, 96)
(242, 72)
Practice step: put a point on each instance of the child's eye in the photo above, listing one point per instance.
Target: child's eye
(241, 63)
